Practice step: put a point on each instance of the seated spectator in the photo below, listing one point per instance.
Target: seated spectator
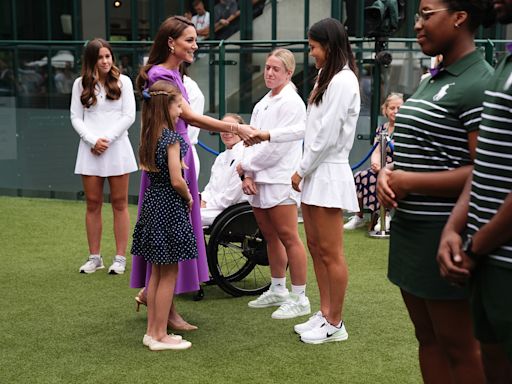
(225, 12)
(201, 20)
(125, 66)
(366, 180)
(224, 187)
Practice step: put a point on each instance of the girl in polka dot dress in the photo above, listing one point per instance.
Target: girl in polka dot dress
(163, 234)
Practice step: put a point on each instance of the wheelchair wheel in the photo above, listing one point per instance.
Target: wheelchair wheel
(237, 253)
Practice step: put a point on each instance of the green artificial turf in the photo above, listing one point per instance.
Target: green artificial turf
(60, 326)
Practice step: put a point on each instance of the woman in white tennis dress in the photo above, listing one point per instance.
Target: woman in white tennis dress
(102, 110)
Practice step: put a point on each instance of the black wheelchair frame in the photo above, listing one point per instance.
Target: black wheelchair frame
(237, 252)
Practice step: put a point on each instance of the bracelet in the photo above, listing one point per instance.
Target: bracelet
(237, 128)
(230, 127)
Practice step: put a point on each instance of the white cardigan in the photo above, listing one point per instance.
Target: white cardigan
(330, 127)
(272, 162)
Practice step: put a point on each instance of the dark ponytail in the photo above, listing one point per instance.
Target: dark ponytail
(333, 37)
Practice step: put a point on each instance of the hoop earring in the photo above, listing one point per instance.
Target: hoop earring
(171, 49)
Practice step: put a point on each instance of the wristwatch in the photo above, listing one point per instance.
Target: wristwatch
(466, 247)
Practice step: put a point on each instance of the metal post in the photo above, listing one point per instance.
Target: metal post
(382, 233)
(274, 21)
(305, 69)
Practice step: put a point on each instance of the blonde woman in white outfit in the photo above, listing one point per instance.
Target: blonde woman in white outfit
(102, 110)
(324, 174)
(266, 168)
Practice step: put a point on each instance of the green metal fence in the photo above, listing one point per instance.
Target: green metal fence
(38, 145)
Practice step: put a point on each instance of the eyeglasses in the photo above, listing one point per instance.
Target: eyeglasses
(425, 15)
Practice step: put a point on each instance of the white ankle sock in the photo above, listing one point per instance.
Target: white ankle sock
(299, 290)
(278, 284)
(333, 328)
(95, 256)
(123, 259)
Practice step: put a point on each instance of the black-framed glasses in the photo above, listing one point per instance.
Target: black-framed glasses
(425, 15)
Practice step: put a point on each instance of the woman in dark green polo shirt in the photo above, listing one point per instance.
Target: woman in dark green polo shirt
(435, 139)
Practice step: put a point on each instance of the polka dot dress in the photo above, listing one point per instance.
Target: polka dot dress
(163, 233)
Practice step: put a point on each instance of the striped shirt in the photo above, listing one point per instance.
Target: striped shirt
(431, 130)
(492, 175)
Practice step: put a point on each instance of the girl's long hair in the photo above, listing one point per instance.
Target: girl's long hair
(333, 37)
(172, 27)
(90, 77)
(155, 116)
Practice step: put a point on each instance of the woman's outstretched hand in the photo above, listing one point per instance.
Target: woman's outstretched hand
(257, 137)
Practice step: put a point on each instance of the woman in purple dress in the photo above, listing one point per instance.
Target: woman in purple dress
(175, 43)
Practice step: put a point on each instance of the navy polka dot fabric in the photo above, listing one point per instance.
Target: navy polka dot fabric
(163, 233)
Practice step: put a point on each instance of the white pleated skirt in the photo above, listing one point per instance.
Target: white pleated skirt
(331, 185)
(117, 160)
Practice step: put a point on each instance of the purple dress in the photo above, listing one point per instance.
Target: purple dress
(191, 272)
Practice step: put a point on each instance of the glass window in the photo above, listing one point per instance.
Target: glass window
(31, 18)
(6, 32)
(120, 20)
(62, 20)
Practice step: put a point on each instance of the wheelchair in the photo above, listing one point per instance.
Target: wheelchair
(237, 252)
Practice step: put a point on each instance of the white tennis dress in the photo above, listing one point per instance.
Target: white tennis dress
(330, 129)
(106, 119)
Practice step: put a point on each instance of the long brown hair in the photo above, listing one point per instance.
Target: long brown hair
(90, 78)
(172, 27)
(332, 36)
(155, 116)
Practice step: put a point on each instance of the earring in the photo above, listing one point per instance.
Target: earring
(171, 49)
(457, 25)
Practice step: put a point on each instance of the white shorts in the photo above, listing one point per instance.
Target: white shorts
(271, 195)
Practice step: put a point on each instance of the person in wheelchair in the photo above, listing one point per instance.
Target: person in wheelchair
(224, 188)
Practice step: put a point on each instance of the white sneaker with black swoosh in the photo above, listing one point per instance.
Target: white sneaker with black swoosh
(325, 334)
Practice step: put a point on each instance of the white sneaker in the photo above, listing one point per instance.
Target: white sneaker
(354, 222)
(325, 334)
(295, 306)
(92, 265)
(314, 321)
(269, 299)
(388, 222)
(118, 266)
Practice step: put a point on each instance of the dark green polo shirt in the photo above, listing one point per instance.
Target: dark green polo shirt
(431, 129)
(492, 175)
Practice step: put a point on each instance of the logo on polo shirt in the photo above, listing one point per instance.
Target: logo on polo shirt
(442, 92)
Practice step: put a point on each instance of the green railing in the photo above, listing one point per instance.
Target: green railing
(38, 144)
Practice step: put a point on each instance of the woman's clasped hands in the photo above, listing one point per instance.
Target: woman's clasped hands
(100, 146)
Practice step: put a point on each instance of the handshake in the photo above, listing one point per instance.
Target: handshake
(251, 136)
